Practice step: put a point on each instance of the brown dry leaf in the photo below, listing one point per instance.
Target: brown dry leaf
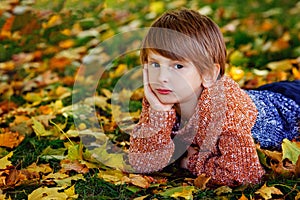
(6, 106)
(266, 192)
(13, 177)
(297, 197)
(75, 165)
(201, 181)
(297, 167)
(11, 139)
(285, 168)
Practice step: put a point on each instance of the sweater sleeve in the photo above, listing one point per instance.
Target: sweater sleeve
(234, 163)
(233, 159)
(151, 146)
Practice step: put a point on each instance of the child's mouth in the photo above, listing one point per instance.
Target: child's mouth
(163, 91)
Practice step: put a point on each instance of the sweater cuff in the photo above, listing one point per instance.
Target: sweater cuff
(162, 119)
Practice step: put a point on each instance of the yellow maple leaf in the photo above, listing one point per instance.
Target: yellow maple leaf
(66, 44)
(71, 192)
(139, 180)
(185, 192)
(53, 21)
(4, 162)
(45, 193)
(236, 73)
(266, 192)
(119, 71)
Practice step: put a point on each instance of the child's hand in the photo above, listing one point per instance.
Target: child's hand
(185, 161)
(150, 96)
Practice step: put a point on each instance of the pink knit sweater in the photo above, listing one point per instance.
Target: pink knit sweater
(220, 128)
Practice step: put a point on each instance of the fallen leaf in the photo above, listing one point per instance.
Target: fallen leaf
(114, 160)
(75, 165)
(68, 181)
(42, 168)
(4, 162)
(297, 167)
(223, 190)
(62, 179)
(71, 192)
(113, 176)
(290, 150)
(66, 44)
(45, 193)
(201, 181)
(236, 73)
(243, 197)
(282, 65)
(266, 192)
(11, 139)
(185, 192)
(139, 180)
(39, 129)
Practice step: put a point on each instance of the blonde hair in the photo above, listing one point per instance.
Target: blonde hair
(186, 35)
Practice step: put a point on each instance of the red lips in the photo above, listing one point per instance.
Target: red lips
(163, 91)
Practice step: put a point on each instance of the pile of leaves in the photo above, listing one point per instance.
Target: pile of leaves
(44, 154)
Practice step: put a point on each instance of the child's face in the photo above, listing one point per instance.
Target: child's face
(173, 81)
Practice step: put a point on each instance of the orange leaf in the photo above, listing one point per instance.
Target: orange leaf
(243, 197)
(6, 28)
(10, 139)
(59, 63)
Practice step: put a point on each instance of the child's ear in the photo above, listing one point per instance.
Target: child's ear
(209, 79)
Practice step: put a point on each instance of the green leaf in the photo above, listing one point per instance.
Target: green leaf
(290, 150)
(114, 160)
(39, 129)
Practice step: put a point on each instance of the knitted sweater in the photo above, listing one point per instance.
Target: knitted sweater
(220, 128)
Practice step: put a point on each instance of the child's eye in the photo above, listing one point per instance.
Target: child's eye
(178, 66)
(154, 64)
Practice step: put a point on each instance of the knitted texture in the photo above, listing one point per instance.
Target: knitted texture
(220, 129)
(278, 118)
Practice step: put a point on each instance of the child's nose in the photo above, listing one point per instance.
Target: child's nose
(163, 74)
